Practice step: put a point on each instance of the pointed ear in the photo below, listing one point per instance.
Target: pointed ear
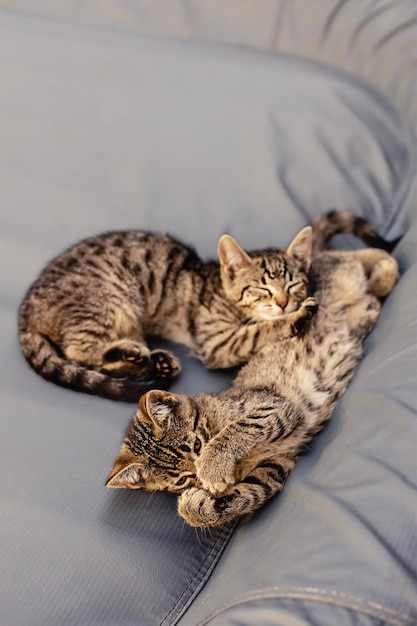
(231, 256)
(300, 247)
(126, 471)
(155, 407)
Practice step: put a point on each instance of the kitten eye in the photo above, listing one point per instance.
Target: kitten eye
(197, 445)
(259, 292)
(183, 480)
(253, 293)
(293, 287)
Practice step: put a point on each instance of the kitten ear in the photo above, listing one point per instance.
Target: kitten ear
(155, 407)
(126, 471)
(231, 256)
(300, 247)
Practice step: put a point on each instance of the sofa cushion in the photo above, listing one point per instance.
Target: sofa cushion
(107, 130)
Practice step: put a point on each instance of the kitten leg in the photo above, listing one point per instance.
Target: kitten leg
(362, 317)
(217, 466)
(380, 267)
(383, 276)
(199, 508)
(127, 357)
(120, 358)
(165, 364)
(110, 339)
(348, 295)
(300, 318)
(242, 342)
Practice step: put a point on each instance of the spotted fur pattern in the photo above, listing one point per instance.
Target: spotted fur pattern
(226, 455)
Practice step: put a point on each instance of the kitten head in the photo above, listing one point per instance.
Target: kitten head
(160, 448)
(269, 284)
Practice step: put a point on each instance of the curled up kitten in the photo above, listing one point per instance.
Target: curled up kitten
(84, 322)
(225, 455)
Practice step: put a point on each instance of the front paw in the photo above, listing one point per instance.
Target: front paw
(192, 504)
(215, 470)
(199, 508)
(310, 305)
(306, 311)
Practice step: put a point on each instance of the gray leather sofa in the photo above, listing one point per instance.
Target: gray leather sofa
(199, 117)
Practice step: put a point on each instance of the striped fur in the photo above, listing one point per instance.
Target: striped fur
(84, 322)
(228, 454)
(338, 222)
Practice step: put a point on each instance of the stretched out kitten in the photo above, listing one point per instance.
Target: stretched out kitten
(225, 455)
(83, 323)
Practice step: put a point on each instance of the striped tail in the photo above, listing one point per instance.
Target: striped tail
(336, 222)
(44, 357)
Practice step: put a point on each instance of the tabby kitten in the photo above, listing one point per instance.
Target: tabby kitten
(225, 455)
(83, 324)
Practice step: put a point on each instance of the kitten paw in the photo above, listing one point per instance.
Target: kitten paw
(127, 351)
(215, 470)
(126, 358)
(383, 276)
(191, 504)
(306, 311)
(165, 364)
(199, 508)
(311, 305)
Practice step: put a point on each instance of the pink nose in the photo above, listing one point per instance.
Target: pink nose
(281, 300)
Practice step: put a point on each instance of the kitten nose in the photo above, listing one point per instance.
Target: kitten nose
(281, 300)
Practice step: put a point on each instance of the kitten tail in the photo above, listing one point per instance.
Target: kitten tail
(335, 222)
(46, 360)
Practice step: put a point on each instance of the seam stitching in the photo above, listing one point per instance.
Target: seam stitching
(337, 598)
(202, 573)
